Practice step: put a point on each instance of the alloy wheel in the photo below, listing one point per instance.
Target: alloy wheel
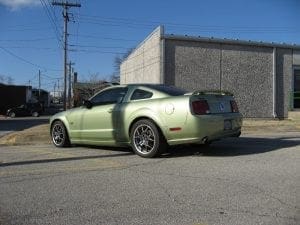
(144, 139)
(58, 134)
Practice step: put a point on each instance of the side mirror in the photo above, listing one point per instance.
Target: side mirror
(88, 104)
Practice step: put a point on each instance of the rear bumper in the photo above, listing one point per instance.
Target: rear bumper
(207, 128)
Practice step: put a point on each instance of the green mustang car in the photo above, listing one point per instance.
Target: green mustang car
(148, 117)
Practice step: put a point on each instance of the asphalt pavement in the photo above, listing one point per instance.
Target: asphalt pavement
(250, 180)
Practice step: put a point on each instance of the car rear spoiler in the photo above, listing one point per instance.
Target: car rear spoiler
(212, 92)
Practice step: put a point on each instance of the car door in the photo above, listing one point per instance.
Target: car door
(99, 123)
(21, 110)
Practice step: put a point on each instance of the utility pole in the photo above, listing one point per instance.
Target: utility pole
(39, 85)
(58, 91)
(66, 5)
(54, 91)
(70, 84)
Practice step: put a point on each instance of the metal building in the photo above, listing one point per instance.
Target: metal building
(264, 77)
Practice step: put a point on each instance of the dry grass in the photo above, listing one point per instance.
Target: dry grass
(34, 135)
(270, 126)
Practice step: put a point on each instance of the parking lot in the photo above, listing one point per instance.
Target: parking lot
(251, 180)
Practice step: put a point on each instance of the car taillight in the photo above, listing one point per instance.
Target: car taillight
(200, 107)
(234, 106)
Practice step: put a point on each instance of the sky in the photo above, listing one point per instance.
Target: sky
(31, 31)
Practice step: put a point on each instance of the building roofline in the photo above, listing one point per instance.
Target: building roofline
(230, 41)
(37, 89)
(159, 29)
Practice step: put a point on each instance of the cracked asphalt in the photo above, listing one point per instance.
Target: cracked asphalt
(251, 180)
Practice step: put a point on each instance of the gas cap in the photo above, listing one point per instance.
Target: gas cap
(169, 109)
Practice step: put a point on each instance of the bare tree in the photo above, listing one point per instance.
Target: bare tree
(9, 80)
(6, 79)
(94, 78)
(115, 77)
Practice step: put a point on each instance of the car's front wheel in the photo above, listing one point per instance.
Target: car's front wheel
(59, 134)
(146, 139)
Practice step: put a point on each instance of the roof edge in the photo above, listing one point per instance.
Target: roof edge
(159, 29)
(230, 41)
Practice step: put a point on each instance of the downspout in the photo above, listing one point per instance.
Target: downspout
(274, 83)
(162, 55)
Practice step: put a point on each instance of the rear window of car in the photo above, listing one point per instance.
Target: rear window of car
(170, 90)
(141, 94)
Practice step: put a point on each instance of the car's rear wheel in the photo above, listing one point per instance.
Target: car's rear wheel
(59, 134)
(146, 139)
(12, 114)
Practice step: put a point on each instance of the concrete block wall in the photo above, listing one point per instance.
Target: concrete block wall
(246, 71)
(192, 65)
(143, 65)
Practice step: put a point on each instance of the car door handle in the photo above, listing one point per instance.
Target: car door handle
(110, 110)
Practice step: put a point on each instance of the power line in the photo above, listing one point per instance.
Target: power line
(27, 29)
(25, 25)
(25, 60)
(95, 51)
(93, 46)
(111, 24)
(50, 77)
(28, 40)
(105, 38)
(52, 10)
(149, 22)
(189, 28)
(52, 21)
(138, 24)
(77, 31)
(32, 48)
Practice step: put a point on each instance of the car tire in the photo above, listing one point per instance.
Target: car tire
(146, 139)
(35, 114)
(12, 114)
(59, 134)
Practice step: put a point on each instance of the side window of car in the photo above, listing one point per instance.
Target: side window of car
(141, 94)
(110, 96)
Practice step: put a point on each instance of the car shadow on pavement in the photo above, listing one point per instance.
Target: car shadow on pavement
(64, 159)
(234, 147)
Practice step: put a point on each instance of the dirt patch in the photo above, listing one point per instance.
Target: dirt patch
(35, 135)
(268, 126)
